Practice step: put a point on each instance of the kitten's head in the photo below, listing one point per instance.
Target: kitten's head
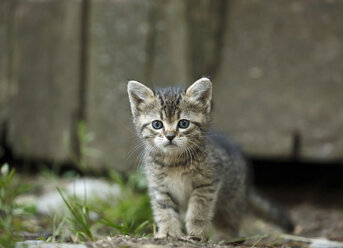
(171, 120)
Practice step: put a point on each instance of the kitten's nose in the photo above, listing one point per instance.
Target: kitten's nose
(170, 136)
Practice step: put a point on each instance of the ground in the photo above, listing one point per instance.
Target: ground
(316, 211)
(312, 222)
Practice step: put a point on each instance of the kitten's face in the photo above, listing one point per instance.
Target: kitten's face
(171, 120)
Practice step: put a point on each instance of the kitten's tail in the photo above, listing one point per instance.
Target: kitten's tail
(270, 212)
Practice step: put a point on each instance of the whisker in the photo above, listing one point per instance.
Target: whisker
(198, 146)
(133, 150)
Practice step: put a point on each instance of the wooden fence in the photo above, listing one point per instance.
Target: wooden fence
(277, 69)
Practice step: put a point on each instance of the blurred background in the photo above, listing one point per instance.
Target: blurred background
(276, 68)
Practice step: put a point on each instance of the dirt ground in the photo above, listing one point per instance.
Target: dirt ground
(318, 217)
(316, 212)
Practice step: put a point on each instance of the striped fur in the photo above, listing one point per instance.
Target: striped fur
(200, 176)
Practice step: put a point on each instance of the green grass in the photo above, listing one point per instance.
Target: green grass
(88, 219)
(86, 151)
(11, 213)
(132, 207)
(56, 230)
(129, 213)
(80, 220)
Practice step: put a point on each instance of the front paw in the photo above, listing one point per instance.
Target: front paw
(168, 234)
(197, 231)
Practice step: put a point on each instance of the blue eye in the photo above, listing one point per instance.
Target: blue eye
(157, 124)
(183, 123)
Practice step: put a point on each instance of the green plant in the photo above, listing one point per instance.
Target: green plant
(125, 228)
(84, 138)
(10, 211)
(56, 229)
(80, 220)
(128, 213)
(131, 213)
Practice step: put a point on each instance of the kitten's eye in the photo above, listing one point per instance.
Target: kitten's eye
(157, 124)
(183, 123)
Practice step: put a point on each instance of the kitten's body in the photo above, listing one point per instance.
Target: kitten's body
(213, 180)
(191, 172)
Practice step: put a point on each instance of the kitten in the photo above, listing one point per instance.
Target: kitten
(189, 170)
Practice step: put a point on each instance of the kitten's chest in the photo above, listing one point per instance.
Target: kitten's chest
(180, 186)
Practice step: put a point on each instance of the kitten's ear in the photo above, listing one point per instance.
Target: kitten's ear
(201, 92)
(139, 95)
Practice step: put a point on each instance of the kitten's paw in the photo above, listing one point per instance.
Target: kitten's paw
(168, 234)
(161, 235)
(197, 231)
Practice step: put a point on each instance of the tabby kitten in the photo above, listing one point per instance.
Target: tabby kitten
(190, 172)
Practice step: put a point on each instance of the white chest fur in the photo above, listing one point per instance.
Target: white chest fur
(180, 187)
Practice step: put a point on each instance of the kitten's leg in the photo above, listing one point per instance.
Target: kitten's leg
(200, 210)
(166, 214)
(228, 215)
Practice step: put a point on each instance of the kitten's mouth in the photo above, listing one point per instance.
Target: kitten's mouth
(170, 145)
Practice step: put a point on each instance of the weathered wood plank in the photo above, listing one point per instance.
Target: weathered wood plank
(119, 31)
(148, 46)
(5, 10)
(169, 44)
(282, 73)
(205, 20)
(46, 78)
